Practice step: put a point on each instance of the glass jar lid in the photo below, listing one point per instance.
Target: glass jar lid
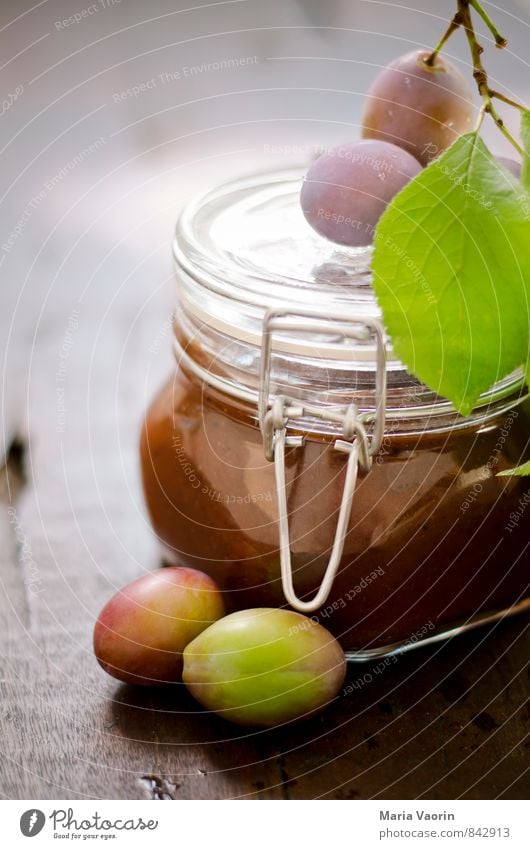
(245, 249)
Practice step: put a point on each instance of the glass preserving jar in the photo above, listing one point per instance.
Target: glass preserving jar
(293, 458)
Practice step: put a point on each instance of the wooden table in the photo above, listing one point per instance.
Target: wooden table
(85, 298)
(445, 722)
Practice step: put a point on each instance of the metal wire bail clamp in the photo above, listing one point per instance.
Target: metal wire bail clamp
(276, 413)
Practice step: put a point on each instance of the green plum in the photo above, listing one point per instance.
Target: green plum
(141, 633)
(264, 667)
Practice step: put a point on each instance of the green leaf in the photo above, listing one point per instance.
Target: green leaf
(451, 271)
(525, 136)
(522, 470)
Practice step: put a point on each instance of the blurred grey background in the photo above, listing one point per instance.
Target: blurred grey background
(114, 113)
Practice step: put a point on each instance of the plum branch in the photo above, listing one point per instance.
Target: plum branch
(479, 73)
(454, 24)
(500, 41)
(462, 19)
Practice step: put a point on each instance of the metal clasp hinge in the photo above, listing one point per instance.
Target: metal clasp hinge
(276, 413)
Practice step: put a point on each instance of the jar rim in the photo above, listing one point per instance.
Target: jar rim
(226, 248)
(441, 415)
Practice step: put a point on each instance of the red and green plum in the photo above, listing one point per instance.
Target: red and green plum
(141, 633)
(264, 667)
(421, 108)
(347, 189)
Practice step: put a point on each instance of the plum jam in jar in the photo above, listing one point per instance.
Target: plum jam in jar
(292, 457)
